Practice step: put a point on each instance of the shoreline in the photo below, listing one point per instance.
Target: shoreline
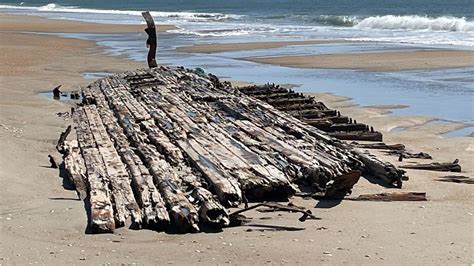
(244, 46)
(19, 23)
(42, 222)
(376, 61)
(418, 59)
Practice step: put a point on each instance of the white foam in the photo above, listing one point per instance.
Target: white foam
(417, 23)
(193, 16)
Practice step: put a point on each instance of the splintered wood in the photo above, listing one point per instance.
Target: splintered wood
(167, 148)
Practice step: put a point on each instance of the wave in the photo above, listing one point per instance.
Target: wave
(191, 16)
(346, 21)
(237, 31)
(340, 21)
(331, 20)
(426, 23)
(390, 22)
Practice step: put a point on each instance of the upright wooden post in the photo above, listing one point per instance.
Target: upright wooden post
(151, 42)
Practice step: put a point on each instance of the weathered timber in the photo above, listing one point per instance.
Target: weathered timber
(102, 212)
(332, 119)
(123, 199)
(373, 166)
(357, 135)
(153, 208)
(345, 127)
(210, 210)
(225, 146)
(380, 169)
(270, 227)
(62, 138)
(277, 206)
(74, 165)
(409, 155)
(392, 196)
(152, 41)
(443, 167)
(166, 146)
(456, 179)
(182, 212)
(312, 112)
(380, 146)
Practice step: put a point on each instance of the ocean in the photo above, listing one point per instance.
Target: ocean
(446, 94)
(437, 22)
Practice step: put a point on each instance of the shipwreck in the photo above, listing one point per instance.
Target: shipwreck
(174, 148)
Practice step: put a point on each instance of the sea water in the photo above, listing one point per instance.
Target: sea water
(367, 26)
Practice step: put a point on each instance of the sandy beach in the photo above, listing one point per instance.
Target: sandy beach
(373, 61)
(385, 61)
(43, 223)
(17, 23)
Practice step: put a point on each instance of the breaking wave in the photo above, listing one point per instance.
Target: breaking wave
(391, 22)
(190, 16)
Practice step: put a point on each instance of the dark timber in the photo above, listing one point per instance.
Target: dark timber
(152, 41)
(312, 112)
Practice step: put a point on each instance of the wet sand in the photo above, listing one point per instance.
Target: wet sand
(44, 223)
(369, 61)
(376, 61)
(230, 47)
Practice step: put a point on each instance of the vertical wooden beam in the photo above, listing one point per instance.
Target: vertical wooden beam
(152, 41)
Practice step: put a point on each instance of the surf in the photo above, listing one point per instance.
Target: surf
(414, 22)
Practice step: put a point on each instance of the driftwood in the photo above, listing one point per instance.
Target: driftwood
(391, 196)
(456, 179)
(443, 167)
(279, 207)
(379, 146)
(270, 227)
(167, 148)
(393, 149)
(62, 138)
(409, 155)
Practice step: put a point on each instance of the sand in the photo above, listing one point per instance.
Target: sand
(376, 61)
(231, 47)
(44, 223)
(369, 61)
(17, 23)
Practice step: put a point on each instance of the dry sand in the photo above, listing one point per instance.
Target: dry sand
(230, 47)
(44, 223)
(376, 61)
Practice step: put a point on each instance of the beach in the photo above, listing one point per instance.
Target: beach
(374, 61)
(387, 61)
(43, 223)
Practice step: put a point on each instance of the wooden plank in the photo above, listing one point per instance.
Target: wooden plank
(102, 213)
(74, 165)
